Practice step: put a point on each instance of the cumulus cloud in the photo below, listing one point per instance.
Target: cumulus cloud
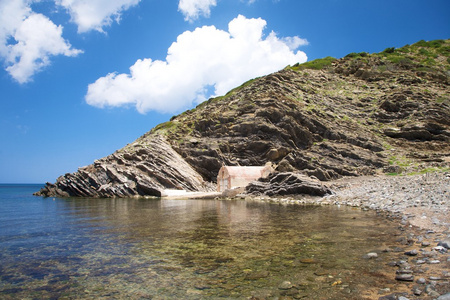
(28, 40)
(200, 60)
(95, 14)
(192, 9)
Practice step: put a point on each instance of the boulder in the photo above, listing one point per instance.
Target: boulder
(287, 183)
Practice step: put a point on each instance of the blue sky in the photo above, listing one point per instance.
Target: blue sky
(80, 79)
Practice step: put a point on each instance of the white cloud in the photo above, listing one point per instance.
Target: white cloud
(200, 59)
(28, 40)
(192, 9)
(95, 14)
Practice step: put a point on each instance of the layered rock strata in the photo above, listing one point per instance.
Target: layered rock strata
(136, 170)
(359, 115)
(287, 183)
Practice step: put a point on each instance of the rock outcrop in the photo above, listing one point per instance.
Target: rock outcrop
(328, 118)
(139, 169)
(287, 183)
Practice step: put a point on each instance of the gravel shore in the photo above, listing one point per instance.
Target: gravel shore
(420, 205)
(420, 200)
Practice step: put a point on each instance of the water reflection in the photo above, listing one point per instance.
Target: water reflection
(190, 249)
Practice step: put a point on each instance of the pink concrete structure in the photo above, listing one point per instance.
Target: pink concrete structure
(236, 177)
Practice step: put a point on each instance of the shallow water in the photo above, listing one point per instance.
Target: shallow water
(184, 249)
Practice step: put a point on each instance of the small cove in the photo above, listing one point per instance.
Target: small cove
(187, 249)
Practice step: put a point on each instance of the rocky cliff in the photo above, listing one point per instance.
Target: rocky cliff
(359, 115)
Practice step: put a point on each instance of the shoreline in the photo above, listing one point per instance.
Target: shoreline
(419, 200)
(419, 204)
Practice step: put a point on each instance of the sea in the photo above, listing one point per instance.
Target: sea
(83, 248)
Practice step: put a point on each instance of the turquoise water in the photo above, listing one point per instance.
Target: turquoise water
(53, 248)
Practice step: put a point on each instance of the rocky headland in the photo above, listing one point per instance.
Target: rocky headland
(361, 115)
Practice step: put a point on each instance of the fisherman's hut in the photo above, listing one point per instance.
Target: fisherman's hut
(231, 177)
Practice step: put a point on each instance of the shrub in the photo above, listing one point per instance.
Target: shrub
(389, 50)
(444, 50)
(317, 64)
(431, 44)
(352, 55)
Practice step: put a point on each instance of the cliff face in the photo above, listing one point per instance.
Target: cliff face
(329, 118)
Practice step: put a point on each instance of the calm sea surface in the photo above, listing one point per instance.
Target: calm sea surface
(53, 248)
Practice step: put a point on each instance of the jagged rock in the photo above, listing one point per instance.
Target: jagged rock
(136, 170)
(287, 183)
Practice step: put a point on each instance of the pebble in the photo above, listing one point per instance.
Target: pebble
(404, 277)
(435, 278)
(420, 261)
(421, 280)
(440, 249)
(417, 292)
(389, 297)
(444, 297)
(413, 252)
(371, 255)
(285, 285)
(433, 262)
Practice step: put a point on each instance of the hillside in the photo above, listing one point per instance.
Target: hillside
(364, 114)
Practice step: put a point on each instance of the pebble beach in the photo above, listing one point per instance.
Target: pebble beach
(420, 204)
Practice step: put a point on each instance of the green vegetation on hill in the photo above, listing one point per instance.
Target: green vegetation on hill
(317, 64)
(422, 56)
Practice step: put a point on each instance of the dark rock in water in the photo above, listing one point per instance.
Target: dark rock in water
(287, 183)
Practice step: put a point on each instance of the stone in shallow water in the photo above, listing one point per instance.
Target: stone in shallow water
(444, 297)
(434, 262)
(371, 255)
(421, 280)
(393, 296)
(285, 285)
(404, 277)
(309, 261)
(417, 291)
(445, 244)
(413, 252)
